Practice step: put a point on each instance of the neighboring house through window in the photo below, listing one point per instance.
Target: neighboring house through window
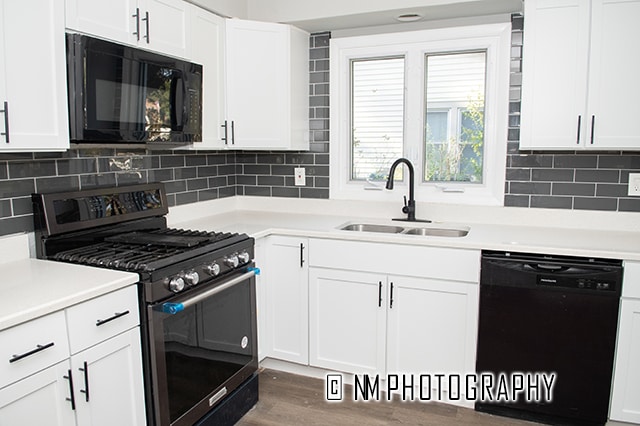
(437, 97)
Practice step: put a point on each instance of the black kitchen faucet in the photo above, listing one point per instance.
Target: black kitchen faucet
(409, 206)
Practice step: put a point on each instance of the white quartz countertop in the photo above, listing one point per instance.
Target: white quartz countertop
(32, 288)
(618, 244)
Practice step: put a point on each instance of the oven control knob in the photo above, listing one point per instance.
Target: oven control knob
(176, 284)
(244, 257)
(232, 261)
(213, 269)
(192, 278)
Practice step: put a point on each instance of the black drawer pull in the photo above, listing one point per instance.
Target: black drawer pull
(39, 348)
(115, 316)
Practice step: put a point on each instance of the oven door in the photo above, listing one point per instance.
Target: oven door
(203, 346)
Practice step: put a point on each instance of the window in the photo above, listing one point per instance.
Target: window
(437, 97)
(454, 131)
(377, 99)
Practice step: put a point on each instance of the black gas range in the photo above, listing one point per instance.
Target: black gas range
(197, 296)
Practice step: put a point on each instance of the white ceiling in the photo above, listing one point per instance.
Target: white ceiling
(331, 15)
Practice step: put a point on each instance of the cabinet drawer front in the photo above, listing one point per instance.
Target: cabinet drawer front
(32, 346)
(98, 319)
(418, 261)
(631, 280)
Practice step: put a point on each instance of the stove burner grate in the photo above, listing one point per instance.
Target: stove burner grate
(145, 251)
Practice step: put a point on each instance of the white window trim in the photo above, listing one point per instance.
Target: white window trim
(495, 38)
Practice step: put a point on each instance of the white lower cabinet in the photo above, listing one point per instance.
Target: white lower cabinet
(40, 399)
(286, 278)
(415, 316)
(347, 320)
(625, 399)
(431, 326)
(107, 385)
(81, 366)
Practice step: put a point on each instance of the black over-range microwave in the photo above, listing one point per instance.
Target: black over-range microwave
(122, 94)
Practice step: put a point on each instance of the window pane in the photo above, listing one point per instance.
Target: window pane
(455, 82)
(377, 116)
(437, 126)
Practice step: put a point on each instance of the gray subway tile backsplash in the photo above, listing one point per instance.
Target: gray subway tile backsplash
(604, 204)
(549, 202)
(5, 208)
(584, 189)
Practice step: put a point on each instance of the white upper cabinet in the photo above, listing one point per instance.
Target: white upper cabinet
(159, 25)
(33, 90)
(207, 48)
(578, 75)
(267, 84)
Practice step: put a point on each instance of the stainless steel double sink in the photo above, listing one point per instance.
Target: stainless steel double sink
(429, 231)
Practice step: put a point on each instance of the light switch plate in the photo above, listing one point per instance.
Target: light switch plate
(634, 184)
(299, 174)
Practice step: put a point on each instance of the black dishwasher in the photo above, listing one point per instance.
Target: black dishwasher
(553, 314)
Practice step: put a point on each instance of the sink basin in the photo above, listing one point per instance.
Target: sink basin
(437, 232)
(364, 227)
(391, 229)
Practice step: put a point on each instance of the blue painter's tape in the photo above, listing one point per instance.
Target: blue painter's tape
(172, 308)
(256, 270)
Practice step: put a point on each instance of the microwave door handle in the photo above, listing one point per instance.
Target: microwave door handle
(177, 108)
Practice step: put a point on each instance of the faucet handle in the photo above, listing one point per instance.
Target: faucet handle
(405, 209)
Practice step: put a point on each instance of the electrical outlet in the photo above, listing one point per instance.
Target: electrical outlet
(299, 174)
(634, 184)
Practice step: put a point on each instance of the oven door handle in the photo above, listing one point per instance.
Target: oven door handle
(174, 308)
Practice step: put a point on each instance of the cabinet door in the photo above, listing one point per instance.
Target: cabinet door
(432, 326)
(207, 49)
(108, 382)
(613, 107)
(257, 78)
(165, 28)
(347, 315)
(625, 400)
(286, 273)
(34, 76)
(40, 399)
(554, 76)
(113, 20)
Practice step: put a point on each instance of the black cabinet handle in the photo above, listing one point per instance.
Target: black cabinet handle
(115, 316)
(233, 132)
(85, 391)
(146, 19)
(379, 294)
(6, 121)
(391, 297)
(137, 16)
(226, 131)
(72, 398)
(593, 127)
(301, 255)
(578, 133)
(39, 348)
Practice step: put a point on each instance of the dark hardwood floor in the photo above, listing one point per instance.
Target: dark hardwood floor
(289, 399)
